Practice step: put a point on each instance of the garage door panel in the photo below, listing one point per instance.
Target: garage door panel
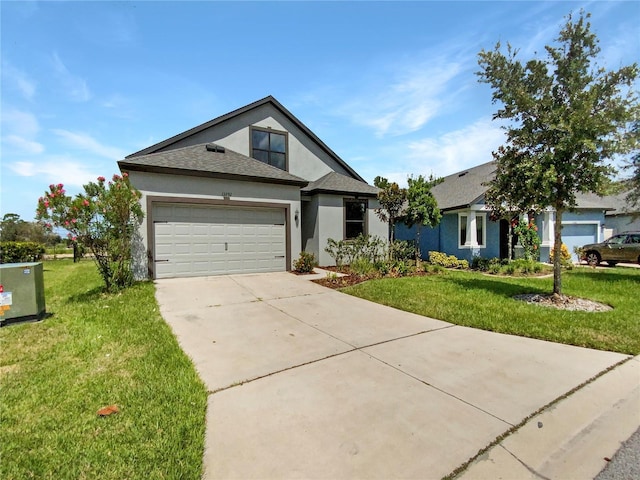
(579, 234)
(202, 240)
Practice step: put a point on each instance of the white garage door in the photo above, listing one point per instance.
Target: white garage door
(579, 234)
(194, 240)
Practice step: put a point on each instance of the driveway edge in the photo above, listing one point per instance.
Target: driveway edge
(565, 436)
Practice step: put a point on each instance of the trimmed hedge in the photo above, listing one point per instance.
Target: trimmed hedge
(18, 252)
(447, 261)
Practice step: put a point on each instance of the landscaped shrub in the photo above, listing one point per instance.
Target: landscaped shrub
(528, 238)
(344, 252)
(18, 252)
(485, 264)
(363, 267)
(402, 250)
(305, 263)
(447, 261)
(565, 257)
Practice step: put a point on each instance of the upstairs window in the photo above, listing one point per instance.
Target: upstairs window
(269, 147)
(355, 215)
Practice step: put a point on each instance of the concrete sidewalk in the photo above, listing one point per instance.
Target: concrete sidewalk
(307, 382)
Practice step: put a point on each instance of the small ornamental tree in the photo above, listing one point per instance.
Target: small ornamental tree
(422, 207)
(103, 219)
(391, 198)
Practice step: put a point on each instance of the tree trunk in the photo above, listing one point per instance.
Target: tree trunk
(510, 241)
(557, 251)
(418, 256)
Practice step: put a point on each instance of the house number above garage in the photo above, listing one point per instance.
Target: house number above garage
(227, 194)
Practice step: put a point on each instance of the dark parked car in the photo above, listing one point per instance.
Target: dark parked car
(624, 247)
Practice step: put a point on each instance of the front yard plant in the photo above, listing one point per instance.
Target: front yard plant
(98, 349)
(103, 219)
(305, 263)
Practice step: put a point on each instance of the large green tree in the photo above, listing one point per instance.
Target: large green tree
(566, 119)
(422, 208)
(633, 197)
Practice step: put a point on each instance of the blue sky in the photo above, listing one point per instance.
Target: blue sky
(389, 86)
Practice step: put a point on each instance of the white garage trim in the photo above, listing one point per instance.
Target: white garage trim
(239, 236)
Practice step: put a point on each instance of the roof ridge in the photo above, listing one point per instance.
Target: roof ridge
(269, 99)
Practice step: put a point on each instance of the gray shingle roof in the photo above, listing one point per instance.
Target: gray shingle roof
(467, 187)
(197, 160)
(463, 188)
(252, 106)
(334, 182)
(621, 205)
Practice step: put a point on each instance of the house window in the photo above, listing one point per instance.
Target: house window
(355, 215)
(480, 229)
(462, 229)
(269, 147)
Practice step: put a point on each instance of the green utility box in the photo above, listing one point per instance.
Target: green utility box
(21, 292)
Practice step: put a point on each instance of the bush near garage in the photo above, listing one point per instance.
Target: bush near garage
(305, 263)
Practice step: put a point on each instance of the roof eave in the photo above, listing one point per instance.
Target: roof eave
(317, 191)
(128, 166)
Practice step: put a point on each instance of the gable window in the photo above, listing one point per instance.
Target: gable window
(269, 147)
(355, 215)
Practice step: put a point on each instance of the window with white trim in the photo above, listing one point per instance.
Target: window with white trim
(462, 230)
(480, 229)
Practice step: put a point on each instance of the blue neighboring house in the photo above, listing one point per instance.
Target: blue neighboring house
(466, 229)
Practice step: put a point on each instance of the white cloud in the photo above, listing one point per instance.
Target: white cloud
(55, 169)
(89, 144)
(19, 80)
(20, 123)
(20, 130)
(415, 95)
(456, 150)
(23, 145)
(75, 87)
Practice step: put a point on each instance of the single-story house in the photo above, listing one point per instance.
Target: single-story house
(466, 229)
(245, 192)
(625, 217)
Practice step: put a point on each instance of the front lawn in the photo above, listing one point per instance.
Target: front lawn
(96, 350)
(486, 302)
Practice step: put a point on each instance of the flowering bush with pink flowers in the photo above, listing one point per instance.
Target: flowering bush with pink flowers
(528, 237)
(103, 219)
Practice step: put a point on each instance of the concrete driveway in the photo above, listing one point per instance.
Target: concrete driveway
(307, 382)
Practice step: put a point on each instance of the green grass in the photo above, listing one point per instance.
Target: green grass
(94, 350)
(485, 302)
(57, 249)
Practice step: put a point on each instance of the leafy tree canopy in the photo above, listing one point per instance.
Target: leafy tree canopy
(566, 118)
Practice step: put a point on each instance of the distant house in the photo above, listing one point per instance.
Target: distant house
(624, 218)
(245, 192)
(466, 229)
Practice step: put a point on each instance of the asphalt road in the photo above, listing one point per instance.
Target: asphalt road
(625, 464)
